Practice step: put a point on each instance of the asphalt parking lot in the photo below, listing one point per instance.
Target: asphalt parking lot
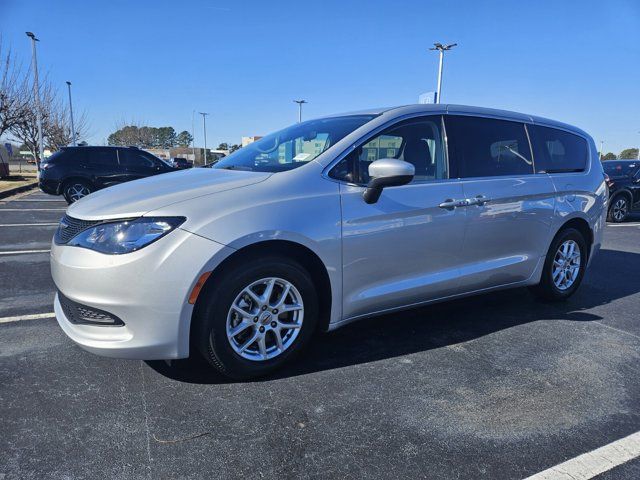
(495, 386)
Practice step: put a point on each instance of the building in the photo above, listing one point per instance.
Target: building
(247, 140)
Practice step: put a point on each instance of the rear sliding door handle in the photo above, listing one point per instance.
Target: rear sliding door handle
(480, 200)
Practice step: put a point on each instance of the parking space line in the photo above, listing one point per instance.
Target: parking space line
(33, 200)
(635, 224)
(21, 252)
(28, 224)
(32, 209)
(595, 462)
(19, 318)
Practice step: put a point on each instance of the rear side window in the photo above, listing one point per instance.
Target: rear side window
(485, 147)
(557, 151)
(102, 156)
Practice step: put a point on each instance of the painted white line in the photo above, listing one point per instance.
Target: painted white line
(19, 318)
(595, 462)
(623, 224)
(32, 209)
(34, 200)
(20, 252)
(28, 224)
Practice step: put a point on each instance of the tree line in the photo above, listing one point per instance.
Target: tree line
(18, 109)
(626, 154)
(155, 137)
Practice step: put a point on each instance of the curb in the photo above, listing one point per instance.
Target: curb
(12, 191)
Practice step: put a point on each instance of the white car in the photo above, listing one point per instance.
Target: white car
(323, 223)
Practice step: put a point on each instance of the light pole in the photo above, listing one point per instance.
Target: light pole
(204, 127)
(193, 135)
(73, 130)
(300, 102)
(36, 94)
(601, 149)
(441, 48)
(639, 152)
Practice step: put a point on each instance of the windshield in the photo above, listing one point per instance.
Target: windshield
(294, 146)
(621, 169)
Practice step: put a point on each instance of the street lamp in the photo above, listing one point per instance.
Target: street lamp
(300, 102)
(441, 48)
(36, 94)
(73, 130)
(204, 127)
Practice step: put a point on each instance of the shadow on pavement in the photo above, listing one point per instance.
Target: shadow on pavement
(439, 325)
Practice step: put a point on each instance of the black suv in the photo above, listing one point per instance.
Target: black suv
(624, 187)
(77, 171)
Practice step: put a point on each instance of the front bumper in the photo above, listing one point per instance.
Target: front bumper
(52, 187)
(148, 290)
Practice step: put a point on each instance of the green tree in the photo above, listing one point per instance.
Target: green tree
(223, 146)
(629, 153)
(184, 139)
(609, 156)
(165, 137)
(234, 147)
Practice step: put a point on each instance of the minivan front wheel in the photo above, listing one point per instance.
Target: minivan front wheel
(564, 266)
(256, 316)
(75, 190)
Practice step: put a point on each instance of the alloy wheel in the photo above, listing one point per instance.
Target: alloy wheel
(76, 191)
(265, 319)
(566, 265)
(620, 209)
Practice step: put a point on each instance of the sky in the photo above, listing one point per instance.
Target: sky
(155, 62)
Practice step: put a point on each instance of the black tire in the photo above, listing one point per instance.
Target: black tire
(71, 187)
(215, 300)
(619, 207)
(547, 289)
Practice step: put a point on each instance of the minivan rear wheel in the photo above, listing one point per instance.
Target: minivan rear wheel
(564, 266)
(256, 317)
(74, 190)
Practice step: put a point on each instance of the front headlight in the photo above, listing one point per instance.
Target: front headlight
(125, 236)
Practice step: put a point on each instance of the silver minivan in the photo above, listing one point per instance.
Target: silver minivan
(323, 223)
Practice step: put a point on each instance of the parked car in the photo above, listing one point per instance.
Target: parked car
(181, 163)
(624, 188)
(75, 172)
(324, 223)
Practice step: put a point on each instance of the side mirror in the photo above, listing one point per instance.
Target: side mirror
(387, 172)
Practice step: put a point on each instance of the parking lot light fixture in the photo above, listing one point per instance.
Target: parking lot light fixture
(73, 130)
(300, 102)
(36, 94)
(441, 48)
(204, 127)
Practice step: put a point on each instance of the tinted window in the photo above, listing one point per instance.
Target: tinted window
(136, 158)
(484, 147)
(557, 151)
(417, 141)
(99, 156)
(621, 169)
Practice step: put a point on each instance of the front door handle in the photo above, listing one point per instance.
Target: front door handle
(450, 204)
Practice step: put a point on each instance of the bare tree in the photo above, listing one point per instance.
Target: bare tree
(14, 93)
(57, 130)
(26, 129)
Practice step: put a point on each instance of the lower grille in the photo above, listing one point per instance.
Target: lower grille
(84, 315)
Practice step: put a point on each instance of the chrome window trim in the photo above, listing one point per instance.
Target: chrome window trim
(362, 140)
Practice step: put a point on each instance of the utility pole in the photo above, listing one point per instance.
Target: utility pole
(300, 102)
(73, 129)
(36, 94)
(193, 135)
(601, 149)
(204, 127)
(441, 48)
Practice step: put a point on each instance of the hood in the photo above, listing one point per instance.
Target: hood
(134, 199)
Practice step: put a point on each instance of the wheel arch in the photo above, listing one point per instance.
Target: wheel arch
(583, 227)
(301, 253)
(622, 191)
(75, 178)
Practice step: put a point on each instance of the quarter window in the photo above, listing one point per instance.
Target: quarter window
(417, 141)
(485, 147)
(558, 151)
